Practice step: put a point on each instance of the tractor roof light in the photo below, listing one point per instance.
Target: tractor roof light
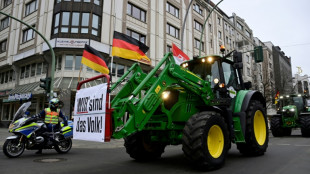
(222, 85)
(281, 97)
(222, 48)
(292, 109)
(203, 60)
(287, 96)
(299, 95)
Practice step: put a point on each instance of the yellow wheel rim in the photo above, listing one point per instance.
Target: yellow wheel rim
(260, 127)
(215, 141)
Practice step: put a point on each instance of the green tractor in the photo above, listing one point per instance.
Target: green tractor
(293, 112)
(202, 104)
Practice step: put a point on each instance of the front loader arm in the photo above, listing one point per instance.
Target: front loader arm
(141, 109)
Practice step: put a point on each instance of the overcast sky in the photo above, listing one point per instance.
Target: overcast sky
(286, 23)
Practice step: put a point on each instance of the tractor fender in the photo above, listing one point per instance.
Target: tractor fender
(252, 95)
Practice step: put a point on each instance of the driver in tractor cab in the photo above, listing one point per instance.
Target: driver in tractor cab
(51, 117)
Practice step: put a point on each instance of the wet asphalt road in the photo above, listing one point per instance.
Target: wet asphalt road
(285, 155)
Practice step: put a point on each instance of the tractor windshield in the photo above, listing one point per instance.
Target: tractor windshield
(206, 69)
(297, 101)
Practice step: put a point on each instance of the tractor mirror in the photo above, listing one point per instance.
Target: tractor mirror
(248, 85)
(237, 57)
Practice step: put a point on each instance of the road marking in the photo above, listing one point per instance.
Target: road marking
(300, 145)
(283, 144)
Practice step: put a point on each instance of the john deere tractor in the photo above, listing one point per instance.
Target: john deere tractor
(202, 104)
(293, 112)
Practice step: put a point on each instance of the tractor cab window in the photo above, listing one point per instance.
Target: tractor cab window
(229, 75)
(208, 70)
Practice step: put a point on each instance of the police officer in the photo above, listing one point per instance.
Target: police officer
(51, 117)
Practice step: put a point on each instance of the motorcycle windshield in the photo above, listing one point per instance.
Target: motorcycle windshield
(21, 111)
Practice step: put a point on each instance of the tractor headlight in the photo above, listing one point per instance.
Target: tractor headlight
(292, 110)
(283, 110)
(165, 95)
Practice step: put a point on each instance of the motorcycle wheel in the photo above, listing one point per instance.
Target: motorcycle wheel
(12, 148)
(63, 146)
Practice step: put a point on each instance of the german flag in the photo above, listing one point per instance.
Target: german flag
(94, 60)
(129, 48)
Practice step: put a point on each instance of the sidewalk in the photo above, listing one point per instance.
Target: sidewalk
(119, 143)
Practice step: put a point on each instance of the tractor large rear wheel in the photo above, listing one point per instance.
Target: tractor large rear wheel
(140, 147)
(276, 126)
(205, 140)
(305, 125)
(256, 134)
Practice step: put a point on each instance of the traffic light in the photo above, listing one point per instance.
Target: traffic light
(258, 54)
(46, 85)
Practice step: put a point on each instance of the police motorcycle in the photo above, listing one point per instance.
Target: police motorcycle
(31, 133)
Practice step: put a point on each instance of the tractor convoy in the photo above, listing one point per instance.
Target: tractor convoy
(293, 112)
(202, 104)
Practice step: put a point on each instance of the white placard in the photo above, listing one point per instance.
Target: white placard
(89, 113)
(90, 100)
(89, 127)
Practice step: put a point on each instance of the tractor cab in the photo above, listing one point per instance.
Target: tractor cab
(224, 74)
(290, 102)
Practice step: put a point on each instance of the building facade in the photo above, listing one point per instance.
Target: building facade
(70, 24)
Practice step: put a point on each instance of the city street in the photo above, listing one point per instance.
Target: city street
(284, 155)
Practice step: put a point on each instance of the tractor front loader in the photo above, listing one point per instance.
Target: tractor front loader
(202, 104)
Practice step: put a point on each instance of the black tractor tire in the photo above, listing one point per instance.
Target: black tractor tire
(256, 133)
(64, 146)
(12, 148)
(206, 140)
(305, 125)
(141, 148)
(276, 126)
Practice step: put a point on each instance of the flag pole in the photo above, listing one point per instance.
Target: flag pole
(80, 72)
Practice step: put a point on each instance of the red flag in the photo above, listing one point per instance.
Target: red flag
(178, 55)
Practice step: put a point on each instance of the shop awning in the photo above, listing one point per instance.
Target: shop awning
(25, 88)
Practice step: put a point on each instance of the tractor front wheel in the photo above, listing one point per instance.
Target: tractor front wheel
(276, 126)
(256, 133)
(205, 140)
(140, 147)
(305, 125)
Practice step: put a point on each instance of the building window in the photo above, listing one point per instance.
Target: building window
(33, 70)
(219, 21)
(173, 31)
(172, 10)
(85, 22)
(39, 69)
(95, 25)
(6, 3)
(136, 12)
(197, 26)
(97, 2)
(137, 36)
(197, 43)
(247, 33)
(197, 8)
(4, 23)
(59, 62)
(248, 59)
(78, 60)
(211, 43)
(239, 26)
(220, 35)
(3, 46)
(76, 22)
(31, 7)
(210, 28)
(28, 34)
(120, 70)
(27, 71)
(69, 62)
(56, 23)
(168, 49)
